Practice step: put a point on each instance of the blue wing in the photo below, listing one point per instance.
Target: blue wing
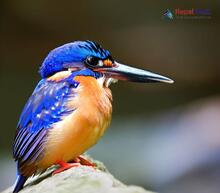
(46, 106)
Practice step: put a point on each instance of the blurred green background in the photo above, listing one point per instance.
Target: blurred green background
(169, 135)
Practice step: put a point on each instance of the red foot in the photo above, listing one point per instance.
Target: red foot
(64, 166)
(83, 161)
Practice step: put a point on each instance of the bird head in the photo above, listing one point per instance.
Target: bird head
(90, 56)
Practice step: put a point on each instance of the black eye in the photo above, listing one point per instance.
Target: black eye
(92, 61)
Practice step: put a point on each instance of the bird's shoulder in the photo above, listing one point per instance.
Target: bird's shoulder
(47, 103)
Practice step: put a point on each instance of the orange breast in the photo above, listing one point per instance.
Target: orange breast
(82, 128)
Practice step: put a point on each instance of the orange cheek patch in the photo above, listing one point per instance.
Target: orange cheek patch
(108, 63)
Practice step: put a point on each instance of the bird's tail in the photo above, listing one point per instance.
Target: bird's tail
(19, 183)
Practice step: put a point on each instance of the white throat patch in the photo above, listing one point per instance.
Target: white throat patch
(103, 81)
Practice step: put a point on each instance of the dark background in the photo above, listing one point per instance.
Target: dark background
(169, 135)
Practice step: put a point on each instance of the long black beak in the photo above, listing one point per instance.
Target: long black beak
(124, 72)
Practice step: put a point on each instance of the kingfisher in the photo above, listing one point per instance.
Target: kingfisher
(70, 108)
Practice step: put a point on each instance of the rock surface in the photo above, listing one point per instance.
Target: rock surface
(82, 179)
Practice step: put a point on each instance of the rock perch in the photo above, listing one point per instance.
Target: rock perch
(82, 179)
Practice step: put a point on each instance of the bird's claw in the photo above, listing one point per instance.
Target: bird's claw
(65, 166)
(84, 161)
(78, 161)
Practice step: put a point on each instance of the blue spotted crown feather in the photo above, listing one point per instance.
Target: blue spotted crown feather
(59, 58)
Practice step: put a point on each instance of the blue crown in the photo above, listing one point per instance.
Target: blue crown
(71, 53)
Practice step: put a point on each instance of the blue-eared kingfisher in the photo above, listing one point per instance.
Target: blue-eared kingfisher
(70, 108)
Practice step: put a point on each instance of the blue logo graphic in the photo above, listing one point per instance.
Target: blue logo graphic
(168, 14)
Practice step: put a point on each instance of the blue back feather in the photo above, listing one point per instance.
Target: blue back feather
(46, 106)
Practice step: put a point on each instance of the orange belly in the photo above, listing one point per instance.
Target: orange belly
(81, 129)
